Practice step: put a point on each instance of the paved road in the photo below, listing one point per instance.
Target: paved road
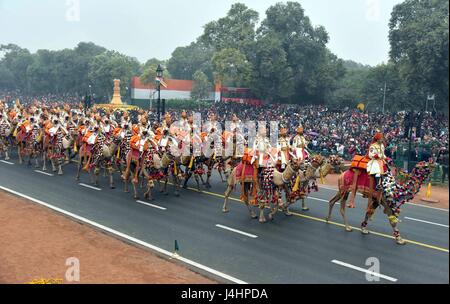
(297, 249)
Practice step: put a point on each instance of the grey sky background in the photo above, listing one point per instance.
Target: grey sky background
(358, 29)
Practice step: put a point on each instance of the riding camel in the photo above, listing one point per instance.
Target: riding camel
(391, 198)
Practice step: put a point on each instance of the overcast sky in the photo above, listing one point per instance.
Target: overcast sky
(154, 28)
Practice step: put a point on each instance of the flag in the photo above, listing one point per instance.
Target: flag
(161, 81)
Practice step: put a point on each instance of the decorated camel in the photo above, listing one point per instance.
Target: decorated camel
(266, 194)
(311, 170)
(392, 196)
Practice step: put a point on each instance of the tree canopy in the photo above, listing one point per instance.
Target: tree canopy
(282, 57)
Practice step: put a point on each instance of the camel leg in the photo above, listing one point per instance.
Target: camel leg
(262, 217)
(221, 176)
(135, 186)
(80, 164)
(150, 186)
(348, 228)
(96, 176)
(60, 171)
(393, 221)
(333, 201)
(53, 165)
(197, 182)
(44, 161)
(225, 208)
(111, 177)
(19, 151)
(6, 155)
(176, 185)
(250, 209)
(186, 179)
(304, 206)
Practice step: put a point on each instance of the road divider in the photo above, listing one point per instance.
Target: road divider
(6, 162)
(90, 187)
(426, 222)
(372, 273)
(151, 205)
(43, 173)
(237, 231)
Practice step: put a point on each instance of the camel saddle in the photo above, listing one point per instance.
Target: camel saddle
(360, 162)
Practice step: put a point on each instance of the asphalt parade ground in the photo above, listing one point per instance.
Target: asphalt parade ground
(232, 248)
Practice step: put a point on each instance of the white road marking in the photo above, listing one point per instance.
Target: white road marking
(127, 237)
(426, 222)
(364, 270)
(90, 187)
(6, 162)
(45, 173)
(237, 231)
(151, 205)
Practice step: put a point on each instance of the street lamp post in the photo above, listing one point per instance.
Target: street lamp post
(159, 75)
(384, 97)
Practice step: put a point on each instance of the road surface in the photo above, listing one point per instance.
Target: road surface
(233, 248)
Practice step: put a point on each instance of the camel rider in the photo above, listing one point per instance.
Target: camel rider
(375, 166)
(125, 121)
(299, 145)
(238, 138)
(167, 122)
(212, 129)
(184, 121)
(107, 128)
(261, 150)
(165, 141)
(283, 148)
(138, 143)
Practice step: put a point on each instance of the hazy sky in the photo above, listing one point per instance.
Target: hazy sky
(154, 28)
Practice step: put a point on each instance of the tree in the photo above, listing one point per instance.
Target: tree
(419, 34)
(149, 72)
(202, 87)
(185, 61)
(235, 30)
(17, 60)
(111, 65)
(273, 77)
(231, 67)
(314, 68)
(396, 92)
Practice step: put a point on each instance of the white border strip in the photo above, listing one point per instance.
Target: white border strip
(42, 172)
(90, 187)
(6, 162)
(364, 270)
(151, 205)
(127, 237)
(426, 222)
(237, 231)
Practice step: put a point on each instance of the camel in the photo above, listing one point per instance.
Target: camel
(391, 198)
(310, 171)
(5, 133)
(280, 181)
(103, 152)
(151, 170)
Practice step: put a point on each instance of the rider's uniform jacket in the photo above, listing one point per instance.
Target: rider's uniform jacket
(299, 145)
(261, 149)
(283, 148)
(164, 143)
(377, 158)
(139, 143)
